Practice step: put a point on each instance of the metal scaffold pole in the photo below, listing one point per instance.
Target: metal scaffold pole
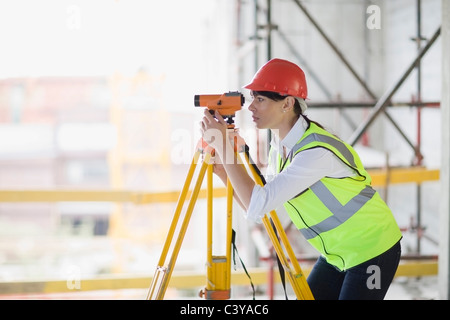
(444, 238)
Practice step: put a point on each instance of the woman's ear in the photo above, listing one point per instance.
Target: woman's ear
(288, 104)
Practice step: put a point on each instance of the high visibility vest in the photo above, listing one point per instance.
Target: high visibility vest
(345, 219)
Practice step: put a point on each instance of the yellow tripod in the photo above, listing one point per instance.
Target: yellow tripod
(219, 267)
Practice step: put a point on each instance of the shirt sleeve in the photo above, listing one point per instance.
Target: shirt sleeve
(307, 167)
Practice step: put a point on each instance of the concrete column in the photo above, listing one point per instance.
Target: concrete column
(444, 238)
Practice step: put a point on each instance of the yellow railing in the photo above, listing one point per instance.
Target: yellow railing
(93, 195)
(380, 178)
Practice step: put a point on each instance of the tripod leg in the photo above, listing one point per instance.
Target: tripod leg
(218, 267)
(162, 275)
(296, 277)
(229, 228)
(160, 270)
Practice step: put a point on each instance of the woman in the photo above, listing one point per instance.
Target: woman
(322, 184)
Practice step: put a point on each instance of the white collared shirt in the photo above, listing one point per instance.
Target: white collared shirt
(306, 168)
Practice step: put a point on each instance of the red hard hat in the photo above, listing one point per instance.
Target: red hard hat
(281, 76)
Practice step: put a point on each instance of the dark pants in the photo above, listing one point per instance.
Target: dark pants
(367, 281)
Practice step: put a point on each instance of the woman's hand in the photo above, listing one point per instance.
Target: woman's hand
(215, 135)
(214, 132)
(219, 170)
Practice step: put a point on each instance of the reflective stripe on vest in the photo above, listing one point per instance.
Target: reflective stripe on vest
(340, 213)
(326, 139)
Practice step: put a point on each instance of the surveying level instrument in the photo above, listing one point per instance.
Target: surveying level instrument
(227, 104)
(219, 267)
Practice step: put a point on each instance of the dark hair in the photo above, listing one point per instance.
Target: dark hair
(278, 97)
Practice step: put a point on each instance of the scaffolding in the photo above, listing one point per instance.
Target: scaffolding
(265, 28)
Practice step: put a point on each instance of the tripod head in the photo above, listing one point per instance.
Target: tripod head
(227, 104)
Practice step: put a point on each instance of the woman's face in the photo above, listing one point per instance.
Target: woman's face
(266, 113)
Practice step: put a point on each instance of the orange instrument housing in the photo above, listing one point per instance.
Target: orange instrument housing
(227, 104)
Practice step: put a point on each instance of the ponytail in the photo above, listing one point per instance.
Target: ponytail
(309, 121)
